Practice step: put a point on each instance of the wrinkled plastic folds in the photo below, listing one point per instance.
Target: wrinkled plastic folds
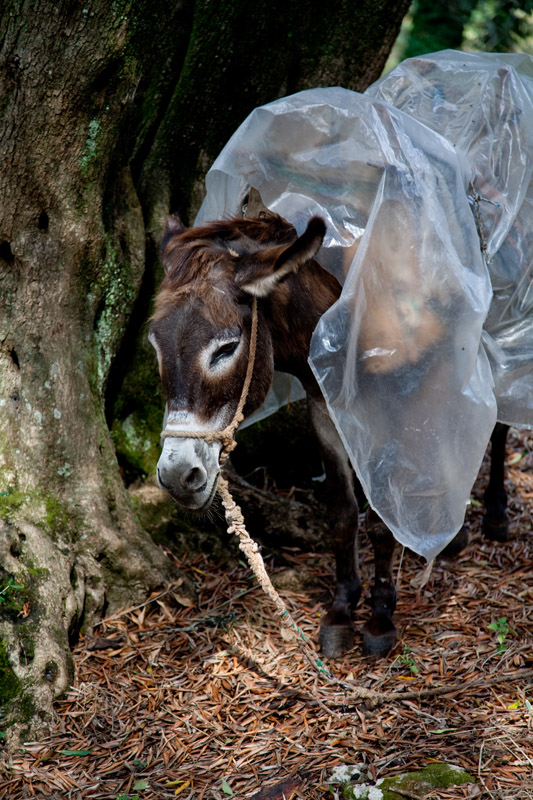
(425, 183)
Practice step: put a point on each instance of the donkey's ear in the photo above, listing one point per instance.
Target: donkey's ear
(272, 265)
(173, 227)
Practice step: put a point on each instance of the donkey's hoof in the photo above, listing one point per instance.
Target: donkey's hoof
(335, 640)
(496, 530)
(379, 636)
(457, 544)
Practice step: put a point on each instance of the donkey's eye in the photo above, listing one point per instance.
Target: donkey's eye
(224, 351)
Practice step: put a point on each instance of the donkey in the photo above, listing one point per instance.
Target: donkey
(200, 331)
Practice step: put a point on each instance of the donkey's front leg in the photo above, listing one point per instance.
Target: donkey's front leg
(379, 633)
(496, 521)
(337, 631)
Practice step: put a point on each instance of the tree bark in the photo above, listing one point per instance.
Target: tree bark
(72, 258)
(111, 113)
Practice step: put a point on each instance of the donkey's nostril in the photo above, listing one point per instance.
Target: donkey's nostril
(195, 478)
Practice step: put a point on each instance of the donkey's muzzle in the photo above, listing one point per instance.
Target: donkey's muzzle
(188, 470)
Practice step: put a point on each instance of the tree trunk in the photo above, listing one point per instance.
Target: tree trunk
(72, 258)
(101, 101)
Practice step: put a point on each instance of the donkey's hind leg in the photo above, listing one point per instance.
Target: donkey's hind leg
(457, 544)
(495, 524)
(337, 631)
(496, 521)
(379, 633)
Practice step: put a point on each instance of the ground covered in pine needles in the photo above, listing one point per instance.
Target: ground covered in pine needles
(210, 702)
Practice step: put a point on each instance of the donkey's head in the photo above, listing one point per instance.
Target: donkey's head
(201, 334)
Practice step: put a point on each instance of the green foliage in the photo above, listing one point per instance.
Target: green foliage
(406, 659)
(437, 25)
(13, 595)
(500, 26)
(21, 601)
(502, 629)
(9, 587)
(477, 25)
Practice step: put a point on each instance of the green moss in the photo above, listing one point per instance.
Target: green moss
(17, 704)
(26, 635)
(116, 289)
(56, 519)
(410, 784)
(92, 146)
(45, 510)
(136, 445)
(12, 595)
(20, 593)
(10, 501)
(25, 708)
(10, 686)
(38, 572)
(138, 422)
(434, 776)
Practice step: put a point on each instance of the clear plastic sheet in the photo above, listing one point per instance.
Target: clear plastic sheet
(432, 339)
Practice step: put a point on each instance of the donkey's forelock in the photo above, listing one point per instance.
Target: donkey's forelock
(215, 301)
(201, 261)
(189, 254)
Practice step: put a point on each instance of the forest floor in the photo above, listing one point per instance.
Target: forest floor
(210, 701)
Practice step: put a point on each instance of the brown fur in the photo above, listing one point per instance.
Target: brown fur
(204, 268)
(200, 263)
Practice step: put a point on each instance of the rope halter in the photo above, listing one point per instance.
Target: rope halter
(226, 435)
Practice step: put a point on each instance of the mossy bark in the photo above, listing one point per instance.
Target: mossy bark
(72, 247)
(110, 114)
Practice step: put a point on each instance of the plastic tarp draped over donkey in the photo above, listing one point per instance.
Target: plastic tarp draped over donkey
(425, 183)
